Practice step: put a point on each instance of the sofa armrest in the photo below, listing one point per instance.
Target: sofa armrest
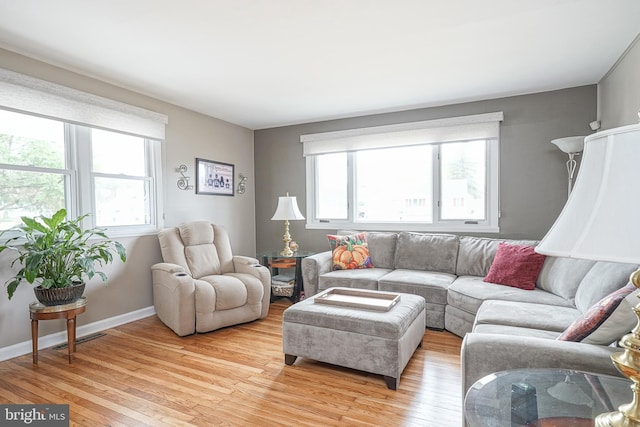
(312, 267)
(483, 354)
(244, 260)
(248, 265)
(174, 297)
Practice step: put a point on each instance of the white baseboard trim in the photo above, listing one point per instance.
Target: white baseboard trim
(50, 340)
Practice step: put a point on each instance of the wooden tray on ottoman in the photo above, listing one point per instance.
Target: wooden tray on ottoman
(359, 298)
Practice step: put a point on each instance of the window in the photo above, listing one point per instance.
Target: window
(63, 148)
(46, 165)
(439, 175)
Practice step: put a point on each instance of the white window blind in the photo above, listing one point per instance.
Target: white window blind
(464, 128)
(31, 95)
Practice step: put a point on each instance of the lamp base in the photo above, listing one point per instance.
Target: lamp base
(287, 239)
(286, 252)
(628, 363)
(616, 418)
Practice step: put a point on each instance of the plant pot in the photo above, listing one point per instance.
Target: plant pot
(59, 296)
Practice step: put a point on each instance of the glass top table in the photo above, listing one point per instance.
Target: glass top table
(275, 260)
(543, 397)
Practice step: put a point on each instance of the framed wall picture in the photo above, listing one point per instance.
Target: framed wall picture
(215, 178)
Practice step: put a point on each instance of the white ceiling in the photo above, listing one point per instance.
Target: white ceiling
(268, 63)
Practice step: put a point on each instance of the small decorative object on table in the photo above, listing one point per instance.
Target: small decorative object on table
(294, 246)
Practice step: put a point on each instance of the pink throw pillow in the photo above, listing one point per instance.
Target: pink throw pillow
(515, 265)
(606, 321)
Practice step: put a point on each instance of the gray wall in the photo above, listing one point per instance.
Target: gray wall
(532, 171)
(619, 90)
(188, 135)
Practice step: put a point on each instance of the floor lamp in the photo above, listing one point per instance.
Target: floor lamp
(600, 222)
(573, 146)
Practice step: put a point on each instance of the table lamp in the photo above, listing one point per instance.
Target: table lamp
(600, 222)
(572, 145)
(287, 210)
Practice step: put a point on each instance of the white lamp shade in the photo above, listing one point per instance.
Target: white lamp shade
(601, 220)
(287, 209)
(570, 144)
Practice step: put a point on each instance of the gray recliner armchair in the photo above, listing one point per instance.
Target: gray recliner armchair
(201, 286)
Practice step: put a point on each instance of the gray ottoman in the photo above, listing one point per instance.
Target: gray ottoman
(380, 342)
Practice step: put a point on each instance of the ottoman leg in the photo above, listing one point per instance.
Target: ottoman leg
(289, 359)
(392, 383)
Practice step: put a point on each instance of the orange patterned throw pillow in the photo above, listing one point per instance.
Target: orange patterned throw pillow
(349, 252)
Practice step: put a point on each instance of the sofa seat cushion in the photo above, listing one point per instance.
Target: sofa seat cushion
(469, 292)
(431, 285)
(366, 278)
(515, 330)
(526, 315)
(220, 292)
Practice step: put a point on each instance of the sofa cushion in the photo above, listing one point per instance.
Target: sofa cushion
(515, 330)
(366, 278)
(602, 279)
(475, 254)
(202, 260)
(196, 233)
(427, 252)
(382, 248)
(431, 285)
(562, 276)
(469, 292)
(525, 315)
(607, 320)
(515, 265)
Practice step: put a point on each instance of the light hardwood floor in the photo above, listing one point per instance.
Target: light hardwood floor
(142, 374)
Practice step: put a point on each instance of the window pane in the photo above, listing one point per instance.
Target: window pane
(29, 194)
(463, 176)
(331, 175)
(31, 141)
(121, 202)
(116, 153)
(394, 184)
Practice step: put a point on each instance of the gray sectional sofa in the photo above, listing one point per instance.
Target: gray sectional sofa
(503, 327)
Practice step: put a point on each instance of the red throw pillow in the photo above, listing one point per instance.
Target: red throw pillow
(515, 265)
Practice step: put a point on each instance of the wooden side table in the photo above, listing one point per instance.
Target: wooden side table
(39, 311)
(275, 260)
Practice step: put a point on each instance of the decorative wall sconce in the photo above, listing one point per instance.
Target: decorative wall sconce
(183, 181)
(241, 185)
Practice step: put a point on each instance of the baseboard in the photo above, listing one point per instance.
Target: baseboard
(50, 340)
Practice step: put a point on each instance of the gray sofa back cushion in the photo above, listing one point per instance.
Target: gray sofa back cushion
(602, 279)
(476, 254)
(382, 249)
(562, 276)
(427, 252)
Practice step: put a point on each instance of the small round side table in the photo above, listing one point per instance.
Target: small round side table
(38, 311)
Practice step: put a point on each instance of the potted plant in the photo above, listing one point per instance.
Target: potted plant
(56, 254)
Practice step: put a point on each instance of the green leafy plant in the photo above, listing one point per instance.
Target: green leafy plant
(58, 253)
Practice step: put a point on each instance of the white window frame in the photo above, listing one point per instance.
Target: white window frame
(435, 132)
(79, 111)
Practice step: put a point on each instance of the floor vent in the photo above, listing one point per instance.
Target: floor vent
(81, 340)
